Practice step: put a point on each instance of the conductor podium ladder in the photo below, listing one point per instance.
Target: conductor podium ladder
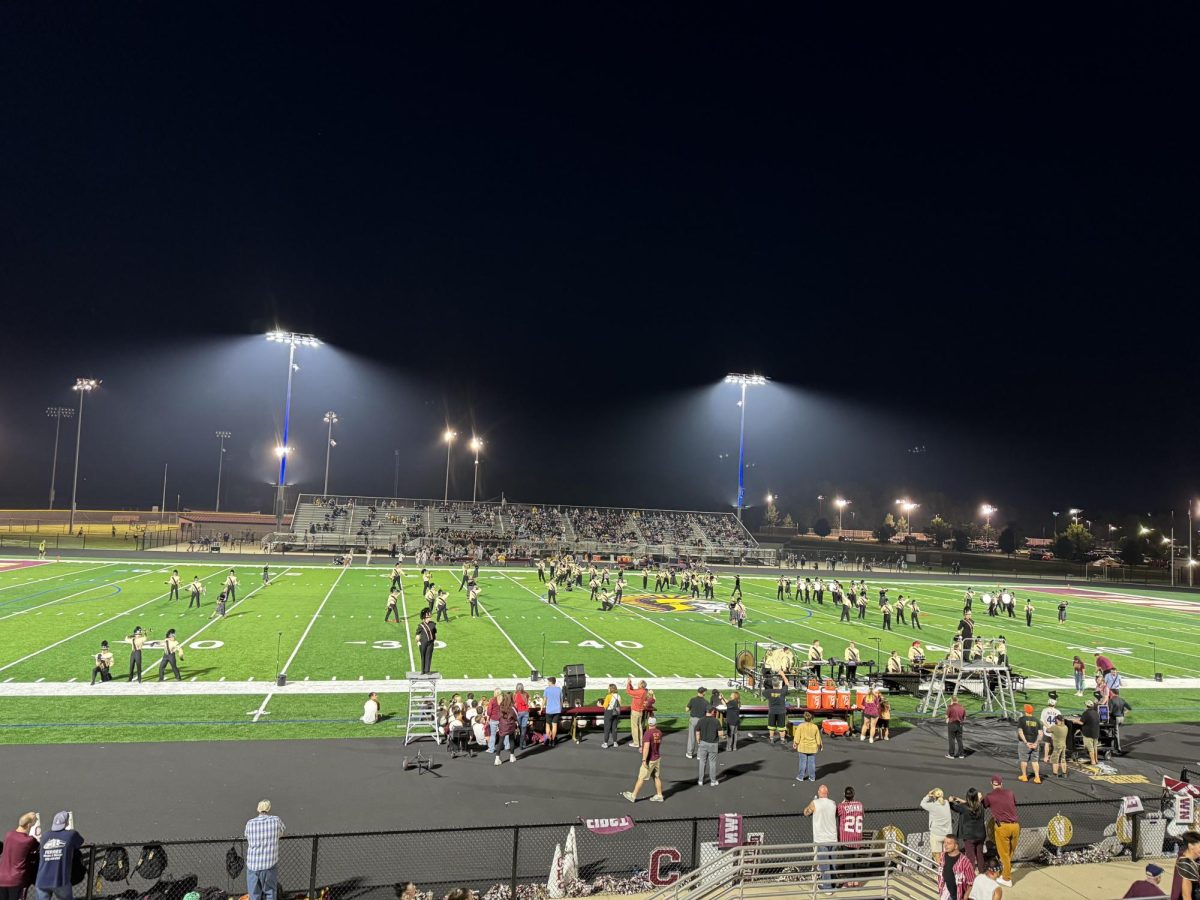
(990, 682)
(422, 707)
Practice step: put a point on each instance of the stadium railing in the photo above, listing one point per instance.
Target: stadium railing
(616, 854)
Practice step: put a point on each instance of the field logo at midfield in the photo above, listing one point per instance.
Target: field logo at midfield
(673, 603)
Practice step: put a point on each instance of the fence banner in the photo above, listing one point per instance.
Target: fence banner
(609, 826)
(730, 831)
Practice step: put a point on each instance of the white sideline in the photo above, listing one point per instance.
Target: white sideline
(108, 690)
(9, 587)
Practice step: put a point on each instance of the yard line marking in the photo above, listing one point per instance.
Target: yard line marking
(525, 659)
(312, 622)
(20, 612)
(674, 632)
(59, 575)
(213, 621)
(258, 713)
(555, 607)
(93, 627)
(412, 663)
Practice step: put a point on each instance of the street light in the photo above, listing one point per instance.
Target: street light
(476, 445)
(330, 420)
(841, 505)
(744, 381)
(58, 413)
(83, 386)
(1074, 514)
(293, 340)
(223, 436)
(448, 436)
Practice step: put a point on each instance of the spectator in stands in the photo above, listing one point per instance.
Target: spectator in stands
(19, 860)
(406, 890)
(1148, 886)
(262, 853)
(956, 874)
(1003, 806)
(61, 850)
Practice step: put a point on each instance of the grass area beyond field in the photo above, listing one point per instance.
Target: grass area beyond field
(322, 624)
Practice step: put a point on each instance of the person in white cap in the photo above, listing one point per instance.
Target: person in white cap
(262, 853)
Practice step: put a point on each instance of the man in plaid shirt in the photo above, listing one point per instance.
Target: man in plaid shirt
(262, 853)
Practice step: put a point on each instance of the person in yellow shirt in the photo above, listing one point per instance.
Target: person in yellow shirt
(806, 740)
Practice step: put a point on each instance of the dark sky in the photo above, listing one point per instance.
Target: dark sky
(975, 232)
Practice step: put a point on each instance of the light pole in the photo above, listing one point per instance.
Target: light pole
(476, 445)
(448, 436)
(1074, 514)
(330, 420)
(58, 413)
(1054, 533)
(987, 511)
(221, 435)
(908, 506)
(162, 510)
(841, 503)
(293, 340)
(396, 475)
(745, 381)
(83, 386)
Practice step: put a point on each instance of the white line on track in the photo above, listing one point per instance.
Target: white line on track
(554, 606)
(312, 622)
(97, 625)
(8, 587)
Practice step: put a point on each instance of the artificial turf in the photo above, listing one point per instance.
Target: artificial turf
(324, 624)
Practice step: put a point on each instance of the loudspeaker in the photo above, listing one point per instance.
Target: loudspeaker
(1158, 676)
(281, 681)
(533, 675)
(576, 669)
(573, 696)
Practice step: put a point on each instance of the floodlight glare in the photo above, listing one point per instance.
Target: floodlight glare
(282, 451)
(476, 444)
(293, 340)
(448, 436)
(744, 381)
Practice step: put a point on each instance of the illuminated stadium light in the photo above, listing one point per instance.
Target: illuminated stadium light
(293, 340)
(744, 380)
(329, 419)
(908, 506)
(84, 386)
(841, 503)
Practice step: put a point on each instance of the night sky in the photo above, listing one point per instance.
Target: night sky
(562, 225)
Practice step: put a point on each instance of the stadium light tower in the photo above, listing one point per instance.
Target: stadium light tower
(476, 445)
(83, 386)
(841, 503)
(908, 506)
(987, 511)
(58, 413)
(745, 381)
(293, 340)
(330, 420)
(221, 436)
(448, 436)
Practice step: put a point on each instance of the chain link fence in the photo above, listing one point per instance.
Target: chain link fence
(495, 861)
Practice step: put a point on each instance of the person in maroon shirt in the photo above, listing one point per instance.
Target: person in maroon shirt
(956, 714)
(1148, 886)
(19, 861)
(651, 763)
(1003, 806)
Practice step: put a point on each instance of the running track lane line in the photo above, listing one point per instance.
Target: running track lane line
(72, 637)
(571, 618)
(8, 587)
(312, 621)
(502, 631)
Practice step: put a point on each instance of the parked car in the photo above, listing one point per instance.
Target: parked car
(1038, 553)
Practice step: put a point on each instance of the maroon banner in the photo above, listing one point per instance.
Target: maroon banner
(730, 831)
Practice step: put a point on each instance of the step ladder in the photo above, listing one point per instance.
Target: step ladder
(422, 707)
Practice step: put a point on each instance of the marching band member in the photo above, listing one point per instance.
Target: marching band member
(851, 660)
(397, 574)
(815, 656)
(219, 611)
(173, 581)
(426, 635)
(104, 662)
(443, 607)
(136, 641)
(171, 649)
(893, 663)
(914, 614)
(916, 655)
(392, 600)
(473, 596)
(231, 584)
(551, 594)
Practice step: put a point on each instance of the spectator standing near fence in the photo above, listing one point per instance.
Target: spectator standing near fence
(60, 849)
(19, 861)
(956, 874)
(850, 832)
(637, 710)
(521, 707)
(825, 833)
(697, 709)
(987, 882)
(262, 853)
(1186, 882)
(1003, 807)
(971, 827)
(940, 825)
(1148, 886)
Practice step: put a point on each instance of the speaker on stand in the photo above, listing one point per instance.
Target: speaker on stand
(574, 684)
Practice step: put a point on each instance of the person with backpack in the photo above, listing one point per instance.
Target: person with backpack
(61, 859)
(19, 861)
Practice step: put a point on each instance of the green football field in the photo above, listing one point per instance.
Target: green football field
(324, 627)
